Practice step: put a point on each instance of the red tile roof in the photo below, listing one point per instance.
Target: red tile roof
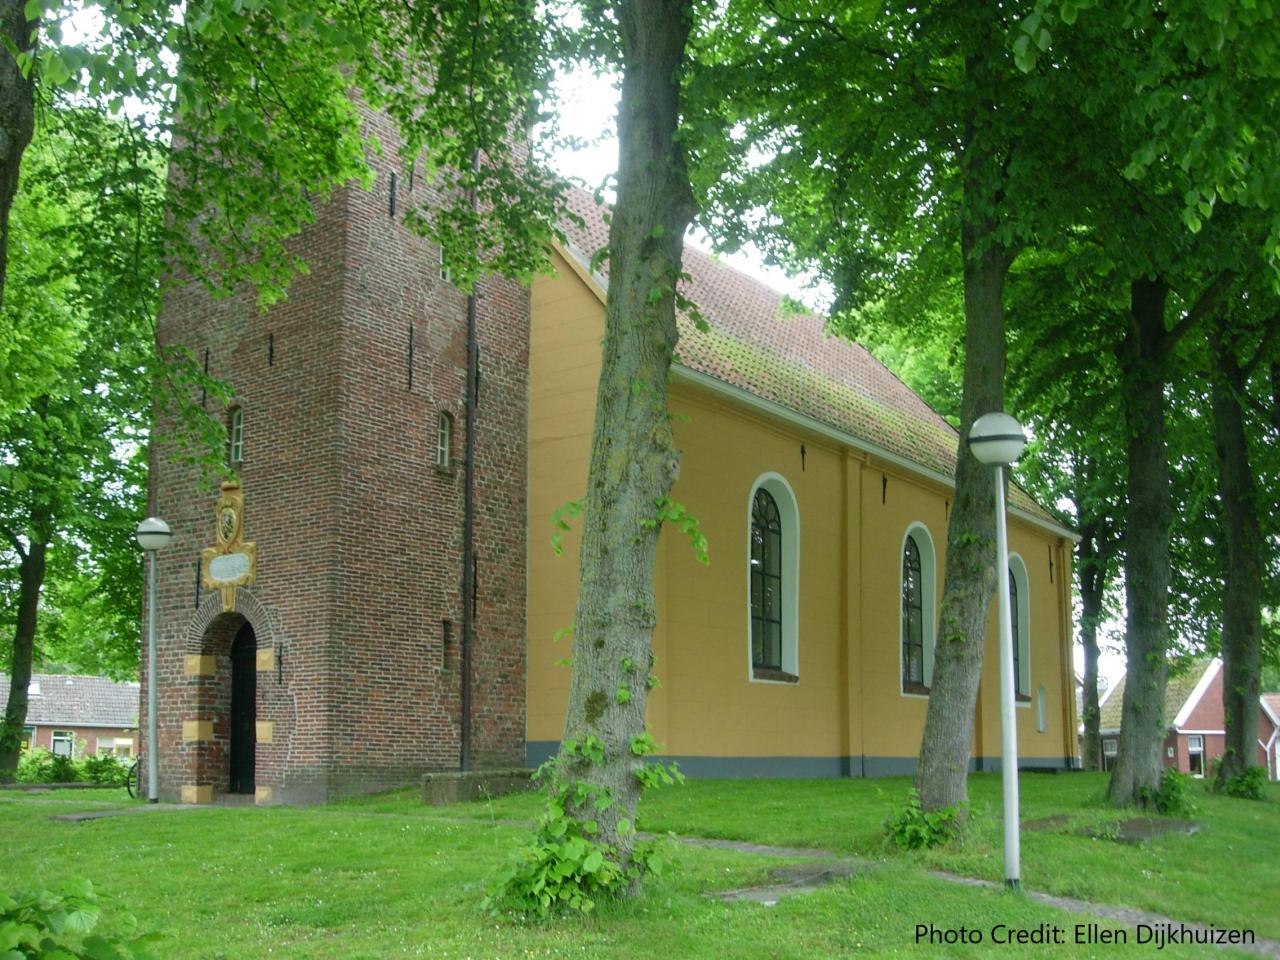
(757, 343)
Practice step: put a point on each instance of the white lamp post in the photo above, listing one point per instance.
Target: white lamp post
(997, 440)
(152, 534)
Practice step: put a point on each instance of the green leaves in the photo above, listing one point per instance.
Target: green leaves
(560, 520)
(59, 925)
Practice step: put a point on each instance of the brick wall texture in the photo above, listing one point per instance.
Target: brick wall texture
(358, 532)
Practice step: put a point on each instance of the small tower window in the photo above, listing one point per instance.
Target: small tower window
(445, 273)
(235, 433)
(444, 441)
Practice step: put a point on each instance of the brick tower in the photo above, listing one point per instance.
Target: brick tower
(338, 668)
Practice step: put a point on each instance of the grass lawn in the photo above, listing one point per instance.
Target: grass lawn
(386, 877)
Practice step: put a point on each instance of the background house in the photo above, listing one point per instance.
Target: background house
(79, 715)
(1193, 712)
(1269, 734)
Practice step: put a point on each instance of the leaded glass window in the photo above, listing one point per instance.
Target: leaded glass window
(766, 582)
(912, 616)
(1014, 632)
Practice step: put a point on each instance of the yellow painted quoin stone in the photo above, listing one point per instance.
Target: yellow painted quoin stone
(197, 793)
(264, 730)
(197, 731)
(195, 665)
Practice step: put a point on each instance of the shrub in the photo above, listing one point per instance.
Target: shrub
(911, 828)
(1249, 785)
(1173, 798)
(103, 768)
(44, 924)
(35, 766)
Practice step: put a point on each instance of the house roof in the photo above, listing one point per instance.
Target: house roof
(1177, 693)
(77, 701)
(757, 342)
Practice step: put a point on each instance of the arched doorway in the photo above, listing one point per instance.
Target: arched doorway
(244, 682)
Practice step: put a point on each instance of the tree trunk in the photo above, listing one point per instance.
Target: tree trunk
(942, 772)
(1242, 583)
(30, 579)
(1093, 584)
(17, 116)
(1136, 775)
(633, 456)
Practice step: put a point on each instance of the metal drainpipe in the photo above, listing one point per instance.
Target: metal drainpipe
(468, 502)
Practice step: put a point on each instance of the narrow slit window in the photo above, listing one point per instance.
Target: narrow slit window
(235, 432)
(444, 441)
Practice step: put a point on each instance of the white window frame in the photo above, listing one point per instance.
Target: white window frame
(444, 440)
(1018, 570)
(789, 517)
(1196, 750)
(236, 433)
(63, 736)
(928, 603)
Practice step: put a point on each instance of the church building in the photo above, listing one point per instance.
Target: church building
(310, 614)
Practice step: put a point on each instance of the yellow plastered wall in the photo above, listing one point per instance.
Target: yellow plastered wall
(1048, 568)
(891, 502)
(714, 707)
(564, 367)
(854, 514)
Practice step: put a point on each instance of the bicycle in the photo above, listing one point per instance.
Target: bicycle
(132, 781)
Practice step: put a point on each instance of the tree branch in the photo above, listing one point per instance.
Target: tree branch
(1203, 305)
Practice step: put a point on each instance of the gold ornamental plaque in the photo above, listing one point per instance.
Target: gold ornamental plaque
(231, 562)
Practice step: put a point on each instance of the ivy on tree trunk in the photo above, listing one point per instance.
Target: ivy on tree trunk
(634, 461)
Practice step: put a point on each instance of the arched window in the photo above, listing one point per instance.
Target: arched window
(1020, 624)
(444, 440)
(918, 624)
(766, 582)
(773, 574)
(912, 617)
(235, 435)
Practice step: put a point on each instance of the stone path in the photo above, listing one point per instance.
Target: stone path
(84, 815)
(1129, 915)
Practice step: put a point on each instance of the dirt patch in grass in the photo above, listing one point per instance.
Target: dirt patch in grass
(790, 880)
(1128, 830)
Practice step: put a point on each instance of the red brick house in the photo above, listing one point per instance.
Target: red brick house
(77, 716)
(1193, 711)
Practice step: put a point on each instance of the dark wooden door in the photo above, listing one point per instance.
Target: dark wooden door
(244, 681)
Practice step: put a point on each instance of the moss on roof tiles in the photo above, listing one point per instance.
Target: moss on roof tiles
(770, 346)
(1176, 692)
